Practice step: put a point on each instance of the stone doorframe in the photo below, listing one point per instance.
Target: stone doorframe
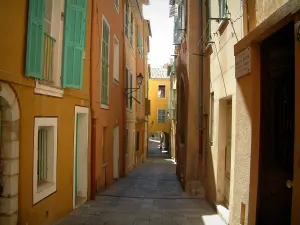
(9, 155)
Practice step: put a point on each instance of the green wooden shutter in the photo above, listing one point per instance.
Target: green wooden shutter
(126, 18)
(74, 43)
(130, 91)
(35, 34)
(126, 87)
(105, 64)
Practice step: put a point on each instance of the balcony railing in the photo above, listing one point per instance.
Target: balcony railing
(48, 57)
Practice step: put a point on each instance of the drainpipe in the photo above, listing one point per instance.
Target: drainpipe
(94, 120)
(201, 96)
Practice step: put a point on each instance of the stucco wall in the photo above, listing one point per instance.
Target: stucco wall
(221, 67)
(260, 10)
(158, 103)
(12, 70)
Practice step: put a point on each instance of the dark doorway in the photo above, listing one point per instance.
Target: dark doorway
(276, 128)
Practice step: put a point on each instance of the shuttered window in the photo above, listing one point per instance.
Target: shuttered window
(222, 8)
(130, 100)
(35, 35)
(105, 63)
(140, 42)
(161, 116)
(117, 3)
(74, 43)
(131, 29)
(208, 22)
(126, 18)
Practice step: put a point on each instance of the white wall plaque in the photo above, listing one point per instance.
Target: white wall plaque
(243, 63)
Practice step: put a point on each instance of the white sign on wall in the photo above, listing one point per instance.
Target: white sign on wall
(243, 63)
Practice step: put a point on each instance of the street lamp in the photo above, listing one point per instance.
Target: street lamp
(139, 79)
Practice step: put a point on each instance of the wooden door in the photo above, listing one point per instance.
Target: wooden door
(116, 152)
(277, 128)
(228, 152)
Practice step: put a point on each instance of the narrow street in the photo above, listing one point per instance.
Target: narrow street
(149, 195)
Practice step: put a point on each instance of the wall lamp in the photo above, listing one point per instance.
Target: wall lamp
(128, 91)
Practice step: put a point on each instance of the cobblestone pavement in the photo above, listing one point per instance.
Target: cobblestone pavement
(151, 195)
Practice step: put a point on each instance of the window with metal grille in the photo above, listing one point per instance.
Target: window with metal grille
(161, 91)
(161, 116)
(42, 155)
(222, 8)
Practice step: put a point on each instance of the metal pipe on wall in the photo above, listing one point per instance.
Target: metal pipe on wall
(94, 120)
(201, 152)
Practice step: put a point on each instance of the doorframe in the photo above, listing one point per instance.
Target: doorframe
(254, 45)
(80, 110)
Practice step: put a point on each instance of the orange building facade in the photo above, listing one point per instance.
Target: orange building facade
(107, 84)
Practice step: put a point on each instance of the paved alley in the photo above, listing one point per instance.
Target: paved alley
(150, 195)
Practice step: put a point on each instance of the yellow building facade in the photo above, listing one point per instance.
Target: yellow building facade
(159, 89)
(44, 105)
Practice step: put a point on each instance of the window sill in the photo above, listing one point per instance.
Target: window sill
(48, 90)
(43, 191)
(103, 106)
(116, 82)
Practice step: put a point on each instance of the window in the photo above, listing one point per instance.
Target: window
(208, 22)
(137, 141)
(116, 59)
(211, 125)
(126, 18)
(161, 116)
(50, 54)
(45, 157)
(105, 63)
(161, 91)
(140, 42)
(126, 141)
(128, 87)
(131, 30)
(130, 82)
(117, 4)
(222, 8)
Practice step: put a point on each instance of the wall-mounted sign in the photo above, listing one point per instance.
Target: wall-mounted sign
(243, 63)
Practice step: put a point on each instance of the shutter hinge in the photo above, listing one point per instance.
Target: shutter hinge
(62, 15)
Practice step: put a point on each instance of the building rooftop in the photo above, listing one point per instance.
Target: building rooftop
(159, 73)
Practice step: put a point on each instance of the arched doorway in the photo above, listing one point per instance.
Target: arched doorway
(9, 154)
(181, 132)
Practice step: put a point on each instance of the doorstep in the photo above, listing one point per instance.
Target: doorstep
(223, 212)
